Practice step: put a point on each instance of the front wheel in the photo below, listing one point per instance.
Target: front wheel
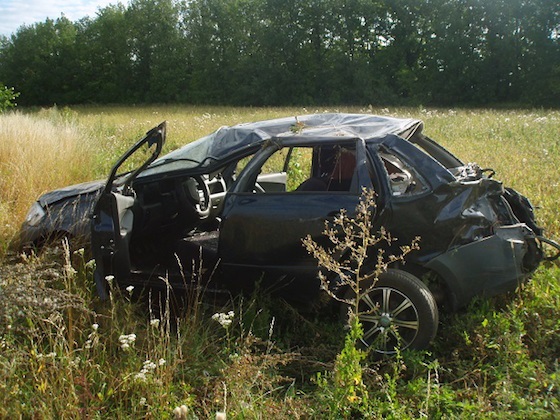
(397, 312)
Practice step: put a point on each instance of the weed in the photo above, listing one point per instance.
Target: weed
(357, 257)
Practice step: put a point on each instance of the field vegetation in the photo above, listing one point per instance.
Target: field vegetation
(65, 354)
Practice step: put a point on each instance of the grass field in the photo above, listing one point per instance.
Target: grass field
(65, 354)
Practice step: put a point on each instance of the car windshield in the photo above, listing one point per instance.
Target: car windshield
(204, 152)
(189, 156)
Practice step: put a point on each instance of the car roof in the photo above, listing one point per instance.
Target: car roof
(210, 151)
(331, 124)
(320, 126)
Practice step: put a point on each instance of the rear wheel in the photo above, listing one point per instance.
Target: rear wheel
(397, 313)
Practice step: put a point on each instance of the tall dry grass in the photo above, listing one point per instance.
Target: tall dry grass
(37, 155)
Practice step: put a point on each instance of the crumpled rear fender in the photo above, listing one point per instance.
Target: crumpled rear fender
(489, 266)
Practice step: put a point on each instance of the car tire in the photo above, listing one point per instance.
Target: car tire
(398, 312)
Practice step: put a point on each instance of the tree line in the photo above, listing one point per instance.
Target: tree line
(292, 52)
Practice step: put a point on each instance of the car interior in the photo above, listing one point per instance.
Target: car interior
(180, 215)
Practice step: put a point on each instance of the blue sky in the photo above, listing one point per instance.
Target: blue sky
(14, 13)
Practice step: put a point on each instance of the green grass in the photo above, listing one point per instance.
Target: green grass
(62, 352)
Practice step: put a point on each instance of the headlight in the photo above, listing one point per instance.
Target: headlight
(35, 215)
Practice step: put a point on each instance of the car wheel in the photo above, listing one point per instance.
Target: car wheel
(397, 313)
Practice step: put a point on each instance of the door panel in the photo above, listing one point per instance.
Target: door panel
(111, 230)
(266, 230)
(112, 221)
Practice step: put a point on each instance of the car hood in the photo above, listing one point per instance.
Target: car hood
(71, 191)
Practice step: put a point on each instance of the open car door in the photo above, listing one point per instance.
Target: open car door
(112, 220)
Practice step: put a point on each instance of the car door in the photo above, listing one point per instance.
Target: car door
(263, 230)
(112, 219)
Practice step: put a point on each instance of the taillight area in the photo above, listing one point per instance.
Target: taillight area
(504, 213)
(521, 209)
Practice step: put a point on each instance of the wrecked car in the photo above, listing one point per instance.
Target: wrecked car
(231, 209)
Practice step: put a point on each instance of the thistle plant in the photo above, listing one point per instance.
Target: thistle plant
(357, 256)
(357, 259)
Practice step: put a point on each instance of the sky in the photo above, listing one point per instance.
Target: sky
(14, 13)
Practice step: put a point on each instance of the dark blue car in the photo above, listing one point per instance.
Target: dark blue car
(232, 208)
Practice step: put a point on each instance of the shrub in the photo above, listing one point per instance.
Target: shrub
(7, 98)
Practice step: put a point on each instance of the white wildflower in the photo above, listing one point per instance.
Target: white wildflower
(140, 376)
(154, 323)
(129, 289)
(95, 327)
(148, 366)
(142, 401)
(80, 251)
(224, 320)
(181, 412)
(127, 340)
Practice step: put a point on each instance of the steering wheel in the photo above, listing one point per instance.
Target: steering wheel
(194, 196)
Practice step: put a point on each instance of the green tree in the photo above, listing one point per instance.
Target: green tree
(105, 64)
(541, 58)
(158, 62)
(450, 63)
(223, 39)
(40, 61)
(279, 52)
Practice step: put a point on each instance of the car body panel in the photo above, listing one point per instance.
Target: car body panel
(113, 216)
(65, 212)
(487, 266)
(267, 229)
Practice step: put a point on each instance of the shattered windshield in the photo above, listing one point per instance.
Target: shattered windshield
(192, 155)
(204, 152)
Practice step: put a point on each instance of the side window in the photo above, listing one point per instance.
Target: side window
(309, 169)
(241, 163)
(403, 179)
(298, 166)
(285, 169)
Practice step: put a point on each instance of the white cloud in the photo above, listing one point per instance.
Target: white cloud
(15, 13)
